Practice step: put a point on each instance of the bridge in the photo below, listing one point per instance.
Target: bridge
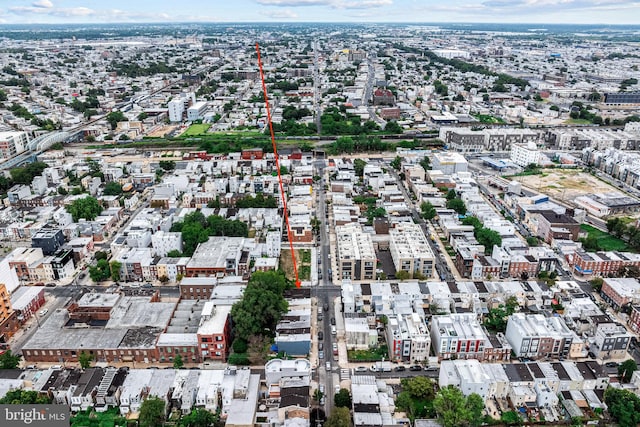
(37, 146)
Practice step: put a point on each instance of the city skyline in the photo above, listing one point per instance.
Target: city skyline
(610, 12)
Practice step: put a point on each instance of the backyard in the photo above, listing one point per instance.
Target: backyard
(371, 355)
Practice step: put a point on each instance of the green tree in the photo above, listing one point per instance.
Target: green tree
(318, 395)
(100, 255)
(532, 241)
(199, 417)
(396, 163)
(451, 194)
(24, 397)
(87, 208)
(100, 272)
(174, 253)
(112, 189)
(428, 210)
(425, 163)
(510, 418)
(85, 359)
(358, 167)
(340, 417)
(239, 345)
(342, 398)
(457, 205)
(152, 412)
(596, 283)
(115, 267)
(167, 165)
(626, 369)
(114, 117)
(488, 238)
(8, 360)
(393, 127)
(261, 306)
(178, 363)
(475, 406)
(624, 406)
(449, 404)
(402, 275)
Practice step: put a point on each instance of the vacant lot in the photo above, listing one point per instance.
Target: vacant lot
(303, 262)
(565, 184)
(606, 241)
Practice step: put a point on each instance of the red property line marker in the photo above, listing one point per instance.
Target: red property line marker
(275, 152)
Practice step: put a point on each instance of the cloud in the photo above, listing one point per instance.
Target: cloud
(295, 3)
(334, 4)
(47, 4)
(59, 12)
(282, 14)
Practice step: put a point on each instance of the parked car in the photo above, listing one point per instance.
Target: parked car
(328, 366)
(333, 320)
(415, 368)
(326, 306)
(320, 346)
(611, 364)
(361, 369)
(43, 311)
(321, 355)
(333, 330)
(400, 369)
(320, 336)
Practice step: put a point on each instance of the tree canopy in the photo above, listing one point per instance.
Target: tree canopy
(624, 406)
(24, 397)
(195, 229)
(262, 305)
(454, 409)
(626, 369)
(342, 398)
(340, 417)
(101, 271)
(457, 205)
(87, 208)
(152, 412)
(199, 417)
(8, 360)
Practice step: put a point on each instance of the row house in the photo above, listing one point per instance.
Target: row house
(603, 264)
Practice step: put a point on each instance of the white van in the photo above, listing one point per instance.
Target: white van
(333, 330)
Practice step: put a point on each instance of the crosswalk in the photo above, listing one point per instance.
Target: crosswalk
(344, 374)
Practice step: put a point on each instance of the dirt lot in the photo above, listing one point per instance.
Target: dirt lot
(162, 131)
(565, 184)
(302, 261)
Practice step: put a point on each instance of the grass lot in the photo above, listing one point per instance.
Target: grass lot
(197, 129)
(304, 267)
(606, 241)
(485, 118)
(372, 355)
(577, 122)
(91, 418)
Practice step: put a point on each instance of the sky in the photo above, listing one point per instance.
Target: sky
(503, 11)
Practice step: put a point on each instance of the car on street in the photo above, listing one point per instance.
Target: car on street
(333, 320)
(400, 369)
(326, 306)
(361, 369)
(321, 387)
(320, 336)
(321, 355)
(327, 366)
(334, 347)
(415, 368)
(51, 285)
(43, 312)
(333, 330)
(611, 364)
(320, 346)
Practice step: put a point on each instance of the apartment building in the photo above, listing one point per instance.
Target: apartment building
(49, 239)
(219, 256)
(449, 162)
(12, 143)
(165, 242)
(410, 249)
(536, 336)
(590, 264)
(619, 292)
(467, 375)
(21, 260)
(611, 341)
(552, 225)
(460, 336)
(176, 110)
(214, 333)
(523, 155)
(356, 254)
(408, 338)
